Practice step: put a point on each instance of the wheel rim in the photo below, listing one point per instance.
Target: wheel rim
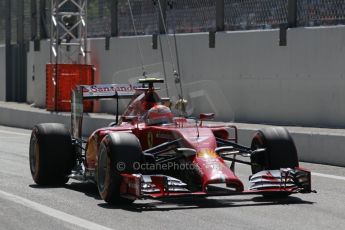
(256, 167)
(34, 155)
(102, 169)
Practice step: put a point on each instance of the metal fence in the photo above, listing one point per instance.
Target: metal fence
(190, 16)
(182, 16)
(320, 12)
(98, 19)
(145, 17)
(255, 14)
(185, 16)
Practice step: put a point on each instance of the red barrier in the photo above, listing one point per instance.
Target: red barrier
(60, 85)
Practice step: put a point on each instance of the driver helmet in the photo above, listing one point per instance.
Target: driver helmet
(159, 114)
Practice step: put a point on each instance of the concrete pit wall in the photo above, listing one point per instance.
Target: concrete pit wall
(247, 77)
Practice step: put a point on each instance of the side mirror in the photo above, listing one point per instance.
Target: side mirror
(206, 116)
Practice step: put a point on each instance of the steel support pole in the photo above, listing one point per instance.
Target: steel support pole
(114, 18)
(33, 5)
(220, 15)
(43, 20)
(8, 51)
(291, 22)
(20, 21)
(20, 65)
(292, 13)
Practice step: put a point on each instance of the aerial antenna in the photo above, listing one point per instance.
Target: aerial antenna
(178, 77)
(175, 71)
(163, 64)
(137, 39)
(181, 103)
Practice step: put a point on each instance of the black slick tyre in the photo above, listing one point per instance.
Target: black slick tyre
(118, 153)
(280, 152)
(51, 154)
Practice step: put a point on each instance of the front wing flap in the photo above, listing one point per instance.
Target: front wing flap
(295, 180)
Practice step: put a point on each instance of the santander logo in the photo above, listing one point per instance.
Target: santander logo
(109, 89)
(112, 88)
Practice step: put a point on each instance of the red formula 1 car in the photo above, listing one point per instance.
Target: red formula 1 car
(150, 153)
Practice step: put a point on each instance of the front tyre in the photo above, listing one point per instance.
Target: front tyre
(51, 154)
(280, 152)
(118, 153)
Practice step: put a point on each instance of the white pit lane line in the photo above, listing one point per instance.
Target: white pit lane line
(328, 176)
(76, 221)
(14, 133)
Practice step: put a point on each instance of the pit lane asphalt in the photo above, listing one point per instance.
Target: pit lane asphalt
(23, 205)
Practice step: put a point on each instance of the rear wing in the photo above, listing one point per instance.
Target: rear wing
(97, 92)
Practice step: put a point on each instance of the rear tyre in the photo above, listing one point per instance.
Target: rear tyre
(118, 153)
(280, 152)
(51, 154)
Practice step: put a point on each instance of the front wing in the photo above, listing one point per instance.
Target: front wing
(284, 181)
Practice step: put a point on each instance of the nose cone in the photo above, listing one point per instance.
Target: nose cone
(215, 171)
